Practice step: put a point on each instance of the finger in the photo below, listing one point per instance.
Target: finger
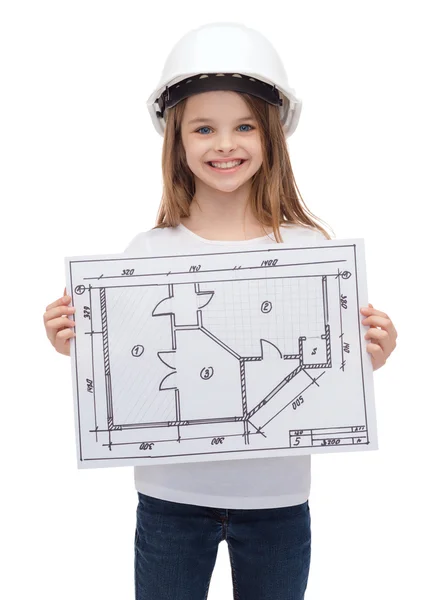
(381, 338)
(65, 334)
(54, 326)
(374, 349)
(377, 334)
(61, 323)
(377, 355)
(384, 323)
(58, 311)
(370, 310)
(378, 321)
(61, 301)
(62, 339)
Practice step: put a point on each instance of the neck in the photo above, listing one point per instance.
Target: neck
(218, 215)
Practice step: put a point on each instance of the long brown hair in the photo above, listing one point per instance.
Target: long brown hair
(274, 196)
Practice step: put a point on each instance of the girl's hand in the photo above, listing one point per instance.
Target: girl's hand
(57, 324)
(382, 331)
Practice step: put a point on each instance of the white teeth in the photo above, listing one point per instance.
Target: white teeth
(227, 165)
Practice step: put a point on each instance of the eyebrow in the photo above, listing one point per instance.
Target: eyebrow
(206, 120)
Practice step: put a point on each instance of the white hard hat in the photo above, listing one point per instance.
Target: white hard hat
(224, 56)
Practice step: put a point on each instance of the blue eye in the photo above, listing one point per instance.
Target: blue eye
(244, 125)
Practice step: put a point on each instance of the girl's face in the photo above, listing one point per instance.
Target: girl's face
(224, 129)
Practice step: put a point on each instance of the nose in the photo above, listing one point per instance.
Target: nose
(226, 143)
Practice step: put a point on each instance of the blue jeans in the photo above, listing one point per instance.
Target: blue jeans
(176, 547)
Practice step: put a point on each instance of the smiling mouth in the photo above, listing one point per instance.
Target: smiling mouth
(226, 170)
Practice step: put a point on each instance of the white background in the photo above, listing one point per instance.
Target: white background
(80, 163)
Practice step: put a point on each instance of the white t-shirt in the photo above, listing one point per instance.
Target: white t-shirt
(242, 483)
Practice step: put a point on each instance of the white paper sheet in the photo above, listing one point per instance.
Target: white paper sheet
(230, 354)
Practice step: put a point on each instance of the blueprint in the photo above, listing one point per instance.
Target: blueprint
(233, 354)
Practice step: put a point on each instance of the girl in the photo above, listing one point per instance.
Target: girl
(225, 110)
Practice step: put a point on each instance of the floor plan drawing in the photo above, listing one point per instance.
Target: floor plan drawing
(224, 355)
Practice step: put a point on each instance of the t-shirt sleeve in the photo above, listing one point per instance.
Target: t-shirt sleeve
(137, 244)
(320, 237)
